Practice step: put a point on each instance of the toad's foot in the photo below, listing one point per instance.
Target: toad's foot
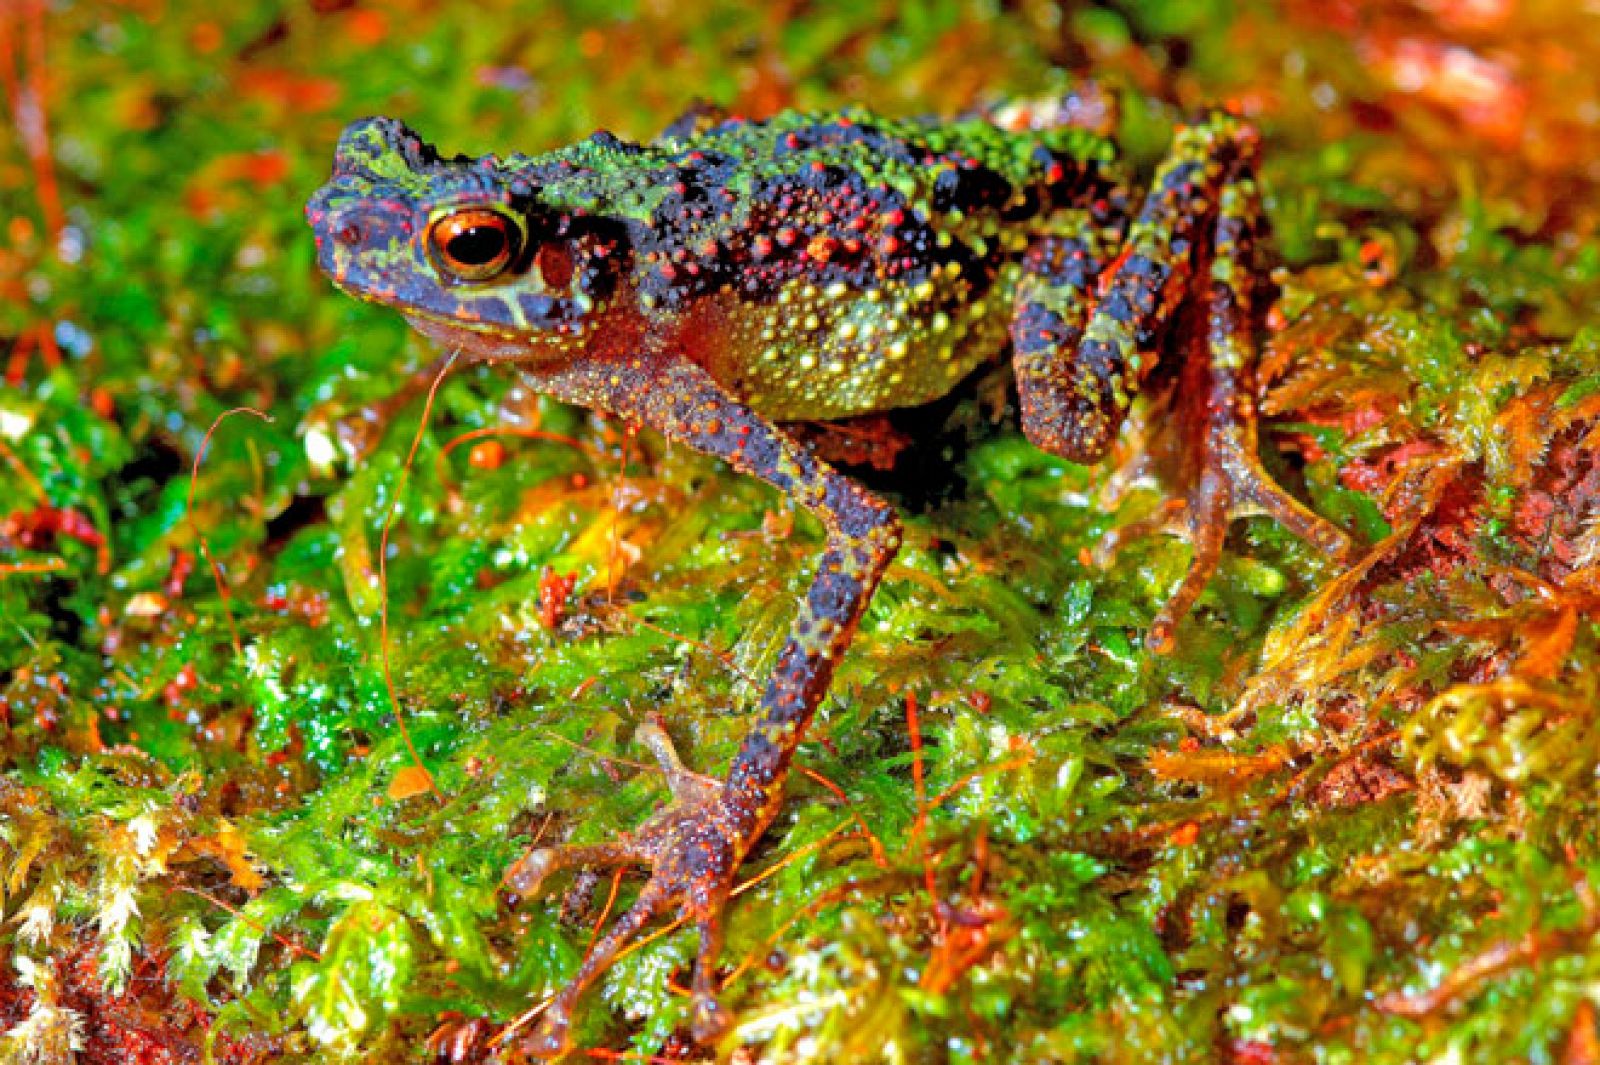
(1224, 481)
(693, 848)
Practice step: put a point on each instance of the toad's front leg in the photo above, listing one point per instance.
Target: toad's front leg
(695, 846)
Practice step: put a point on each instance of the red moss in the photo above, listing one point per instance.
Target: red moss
(1548, 518)
(148, 1024)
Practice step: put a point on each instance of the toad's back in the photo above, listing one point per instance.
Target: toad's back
(838, 264)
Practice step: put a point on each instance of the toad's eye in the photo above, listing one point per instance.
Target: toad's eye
(474, 244)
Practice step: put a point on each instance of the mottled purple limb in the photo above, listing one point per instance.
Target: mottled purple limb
(695, 846)
(1099, 370)
(1085, 337)
(553, 1034)
(1215, 404)
(1054, 389)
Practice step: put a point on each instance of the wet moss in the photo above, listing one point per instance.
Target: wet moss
(1349, 820)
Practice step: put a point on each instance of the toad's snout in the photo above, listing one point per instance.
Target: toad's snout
(353, 238)
(358, 227)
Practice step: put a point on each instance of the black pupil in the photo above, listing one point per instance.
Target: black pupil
(477, 245)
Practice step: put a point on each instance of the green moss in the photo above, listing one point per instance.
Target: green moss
(1349, 820)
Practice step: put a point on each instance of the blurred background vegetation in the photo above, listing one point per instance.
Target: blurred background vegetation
(1351, 819)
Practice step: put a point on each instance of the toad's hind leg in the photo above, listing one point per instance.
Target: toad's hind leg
(1187, 262)
(1215, 407)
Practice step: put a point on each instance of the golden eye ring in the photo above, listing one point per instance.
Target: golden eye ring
(474, 243)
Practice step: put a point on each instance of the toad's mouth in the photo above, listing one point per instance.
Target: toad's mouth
(479, 340)
(490, 340)
(506, 314)
(503, 315)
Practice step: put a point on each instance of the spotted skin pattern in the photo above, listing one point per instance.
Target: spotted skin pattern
(734, 275)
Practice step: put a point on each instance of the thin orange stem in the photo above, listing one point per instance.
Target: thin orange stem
(505, 430)
(880, 857)
(283, 941)
(919, 826)
(383, 576)
(43, 565)
(521, 1020)
(36, 128)
(517, 430)
(22, 349)
(26, 475)
(24, 78)
(999, 767)
(788, 860)
(605, 912)
(914, 730)
(205, 546)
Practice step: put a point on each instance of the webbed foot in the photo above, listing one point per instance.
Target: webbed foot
(692, 848)
(1228, 484)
